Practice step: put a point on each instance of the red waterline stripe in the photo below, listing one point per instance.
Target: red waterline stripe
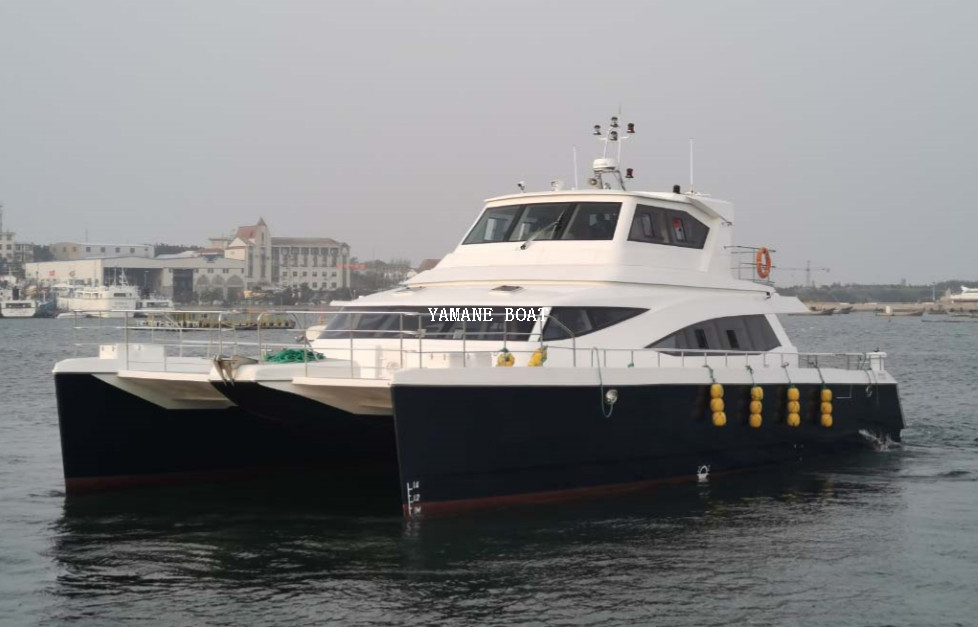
(440, 508)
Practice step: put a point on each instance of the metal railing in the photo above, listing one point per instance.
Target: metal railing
(743, 264)
(376, 353)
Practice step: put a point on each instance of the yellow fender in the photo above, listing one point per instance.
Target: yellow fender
(505, 359)
(538, 358)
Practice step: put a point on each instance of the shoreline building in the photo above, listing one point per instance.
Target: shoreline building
(73, 251)
(231, 266)
(321, 263)
(15, 254)
(184, 278)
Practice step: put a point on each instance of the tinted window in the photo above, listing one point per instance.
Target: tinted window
(546, 221)
(648, 226)
(583, 320)
(655, 225)
(493, 225)
(685, 230)
(593, 220)
(737, 333)
(350, 322)
(541, 221)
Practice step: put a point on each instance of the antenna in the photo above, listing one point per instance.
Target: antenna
(606, 164)
(1, 217)
(692, 190)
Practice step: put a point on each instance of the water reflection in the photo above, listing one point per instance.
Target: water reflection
(353, 557)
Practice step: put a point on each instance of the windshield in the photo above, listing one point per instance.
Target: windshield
(546, 221)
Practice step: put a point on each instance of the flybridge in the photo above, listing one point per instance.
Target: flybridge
(594, 235)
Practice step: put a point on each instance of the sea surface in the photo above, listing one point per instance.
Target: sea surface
(883, 537)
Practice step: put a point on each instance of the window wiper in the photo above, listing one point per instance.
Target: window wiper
(555, 224)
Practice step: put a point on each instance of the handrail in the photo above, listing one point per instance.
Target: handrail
(365, 358)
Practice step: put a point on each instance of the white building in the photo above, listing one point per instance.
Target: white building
(69, 251)
(16, 254)
(320, 263)
(184, 278)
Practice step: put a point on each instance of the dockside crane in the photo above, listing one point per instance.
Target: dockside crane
(808, 269)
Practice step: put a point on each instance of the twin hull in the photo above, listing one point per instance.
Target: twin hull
(497, 437)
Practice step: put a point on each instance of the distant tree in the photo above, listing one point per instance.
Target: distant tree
(341, 294)
(207, 297)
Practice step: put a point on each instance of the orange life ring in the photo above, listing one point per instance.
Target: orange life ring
(763, 262)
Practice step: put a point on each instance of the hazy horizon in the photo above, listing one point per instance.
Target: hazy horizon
(834, 127)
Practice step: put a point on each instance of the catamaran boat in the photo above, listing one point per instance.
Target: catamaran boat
(13, 306)
(574, 342)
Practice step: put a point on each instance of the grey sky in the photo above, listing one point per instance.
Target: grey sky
(844, 131)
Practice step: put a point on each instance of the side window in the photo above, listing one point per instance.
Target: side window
(735, 333)
(648, 226)
(359, 323)
(654, 225)
(761, 334)
(583, 320)
(685, 230)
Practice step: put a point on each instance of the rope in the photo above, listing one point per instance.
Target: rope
(818, 369)
(751, 371)
(708, 367)
(606, 408)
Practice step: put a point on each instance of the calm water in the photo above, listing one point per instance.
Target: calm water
(879, 538)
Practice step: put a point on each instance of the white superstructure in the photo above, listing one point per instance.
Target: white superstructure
(967, 295)
(12, 306)
(104, 301)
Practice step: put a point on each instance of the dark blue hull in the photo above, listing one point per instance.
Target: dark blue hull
(476, 446)
(113, 439)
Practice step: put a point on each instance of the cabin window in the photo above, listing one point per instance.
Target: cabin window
(547, 221)
(647, 226)
(494, 225)
(593, 220)
(583, 320)
(735, 333)
(541, 221)
(388, 325)
(655, 225)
